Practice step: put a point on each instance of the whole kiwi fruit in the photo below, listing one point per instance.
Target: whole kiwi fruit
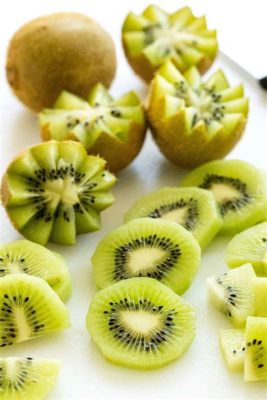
(62, 51)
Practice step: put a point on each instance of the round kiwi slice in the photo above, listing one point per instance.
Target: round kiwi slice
(249, 246)
(29, 309)
(54, 191)
(23, 256)
(193, 208)
(239, 188)
(63, 51)
(232, 293)
(155, 36)
(195, 121)
(27, 378)
(114, 129)
(232, 345)
(140, 323)
(256, 349)
(151, 248)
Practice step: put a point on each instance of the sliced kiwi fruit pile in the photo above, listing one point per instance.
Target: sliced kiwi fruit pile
(25, 257)
(54, 191)
(114, 129)
(193, 208)
(27, 378)
(249, 246)
(194, 121)
(154, 36)
(232, 345)
(239, 188)
(145, 247)
(140, 323)
(29, 309)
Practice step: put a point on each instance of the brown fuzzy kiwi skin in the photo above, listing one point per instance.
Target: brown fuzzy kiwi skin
(62, 51)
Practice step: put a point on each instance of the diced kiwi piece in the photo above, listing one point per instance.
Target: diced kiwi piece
(29, 309)
(25, 257)
(155, 36)
(232, 345)
(256, 349)
(194, 120)
(113, 128)
(193, 208)
(147, 247)
(63, 193)
(27, 378)
(239, 188)
(140, 323)
(260, 296)
(232, 294)
(249, 246)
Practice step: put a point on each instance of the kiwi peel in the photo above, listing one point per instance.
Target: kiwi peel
(113, 128)
(140, 323)
(155, 36)
(54, 191)
(192, 121)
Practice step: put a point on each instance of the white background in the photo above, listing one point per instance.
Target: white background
(200, 373)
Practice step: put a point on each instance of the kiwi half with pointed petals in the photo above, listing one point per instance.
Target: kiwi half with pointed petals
(55, 190)
(113, 128)
(195, 121)
(154, 36)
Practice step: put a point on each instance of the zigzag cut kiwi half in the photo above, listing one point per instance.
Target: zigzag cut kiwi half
(195, 121)
(55, 190)
(113, 128)
(154, 36)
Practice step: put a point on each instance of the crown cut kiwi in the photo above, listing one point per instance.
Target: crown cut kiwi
(140, 323)
(256, 349)
(154, 36)
(193, 208)
(25, 257)
(27, 378)
(239, 188)
(195, 121)
(62, 51)
(151, 248)
(54, 191)
(113, 128)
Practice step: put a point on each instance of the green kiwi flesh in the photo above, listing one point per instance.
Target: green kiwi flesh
(249, 246)
(239, 188)
(256, 349)
(232, 294)
(260, 295)
(140, 323)
(232, 345)
(155, 36)
(195, 121)
(27, 378)
(113, 128)
(23, 256)
(147, 247)
(193, 208)
(29, 309)
(54, 191)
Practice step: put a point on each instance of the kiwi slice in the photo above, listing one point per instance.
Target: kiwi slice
(232, 294)
(239, 188)
(260, 296)
(151, 248)
(27, 378)
(249, 246)
(154, 36)
(256, 349)
(54, 191)
(193, 208)
(29, 309)
(232, 345)
(195, 121)
(23, 256)
(140, 323)
(115, 129)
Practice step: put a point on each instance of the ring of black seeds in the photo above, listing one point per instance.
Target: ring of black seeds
(7, 259)
(19, 379)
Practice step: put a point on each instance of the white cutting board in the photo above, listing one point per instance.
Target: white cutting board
(200, 373)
